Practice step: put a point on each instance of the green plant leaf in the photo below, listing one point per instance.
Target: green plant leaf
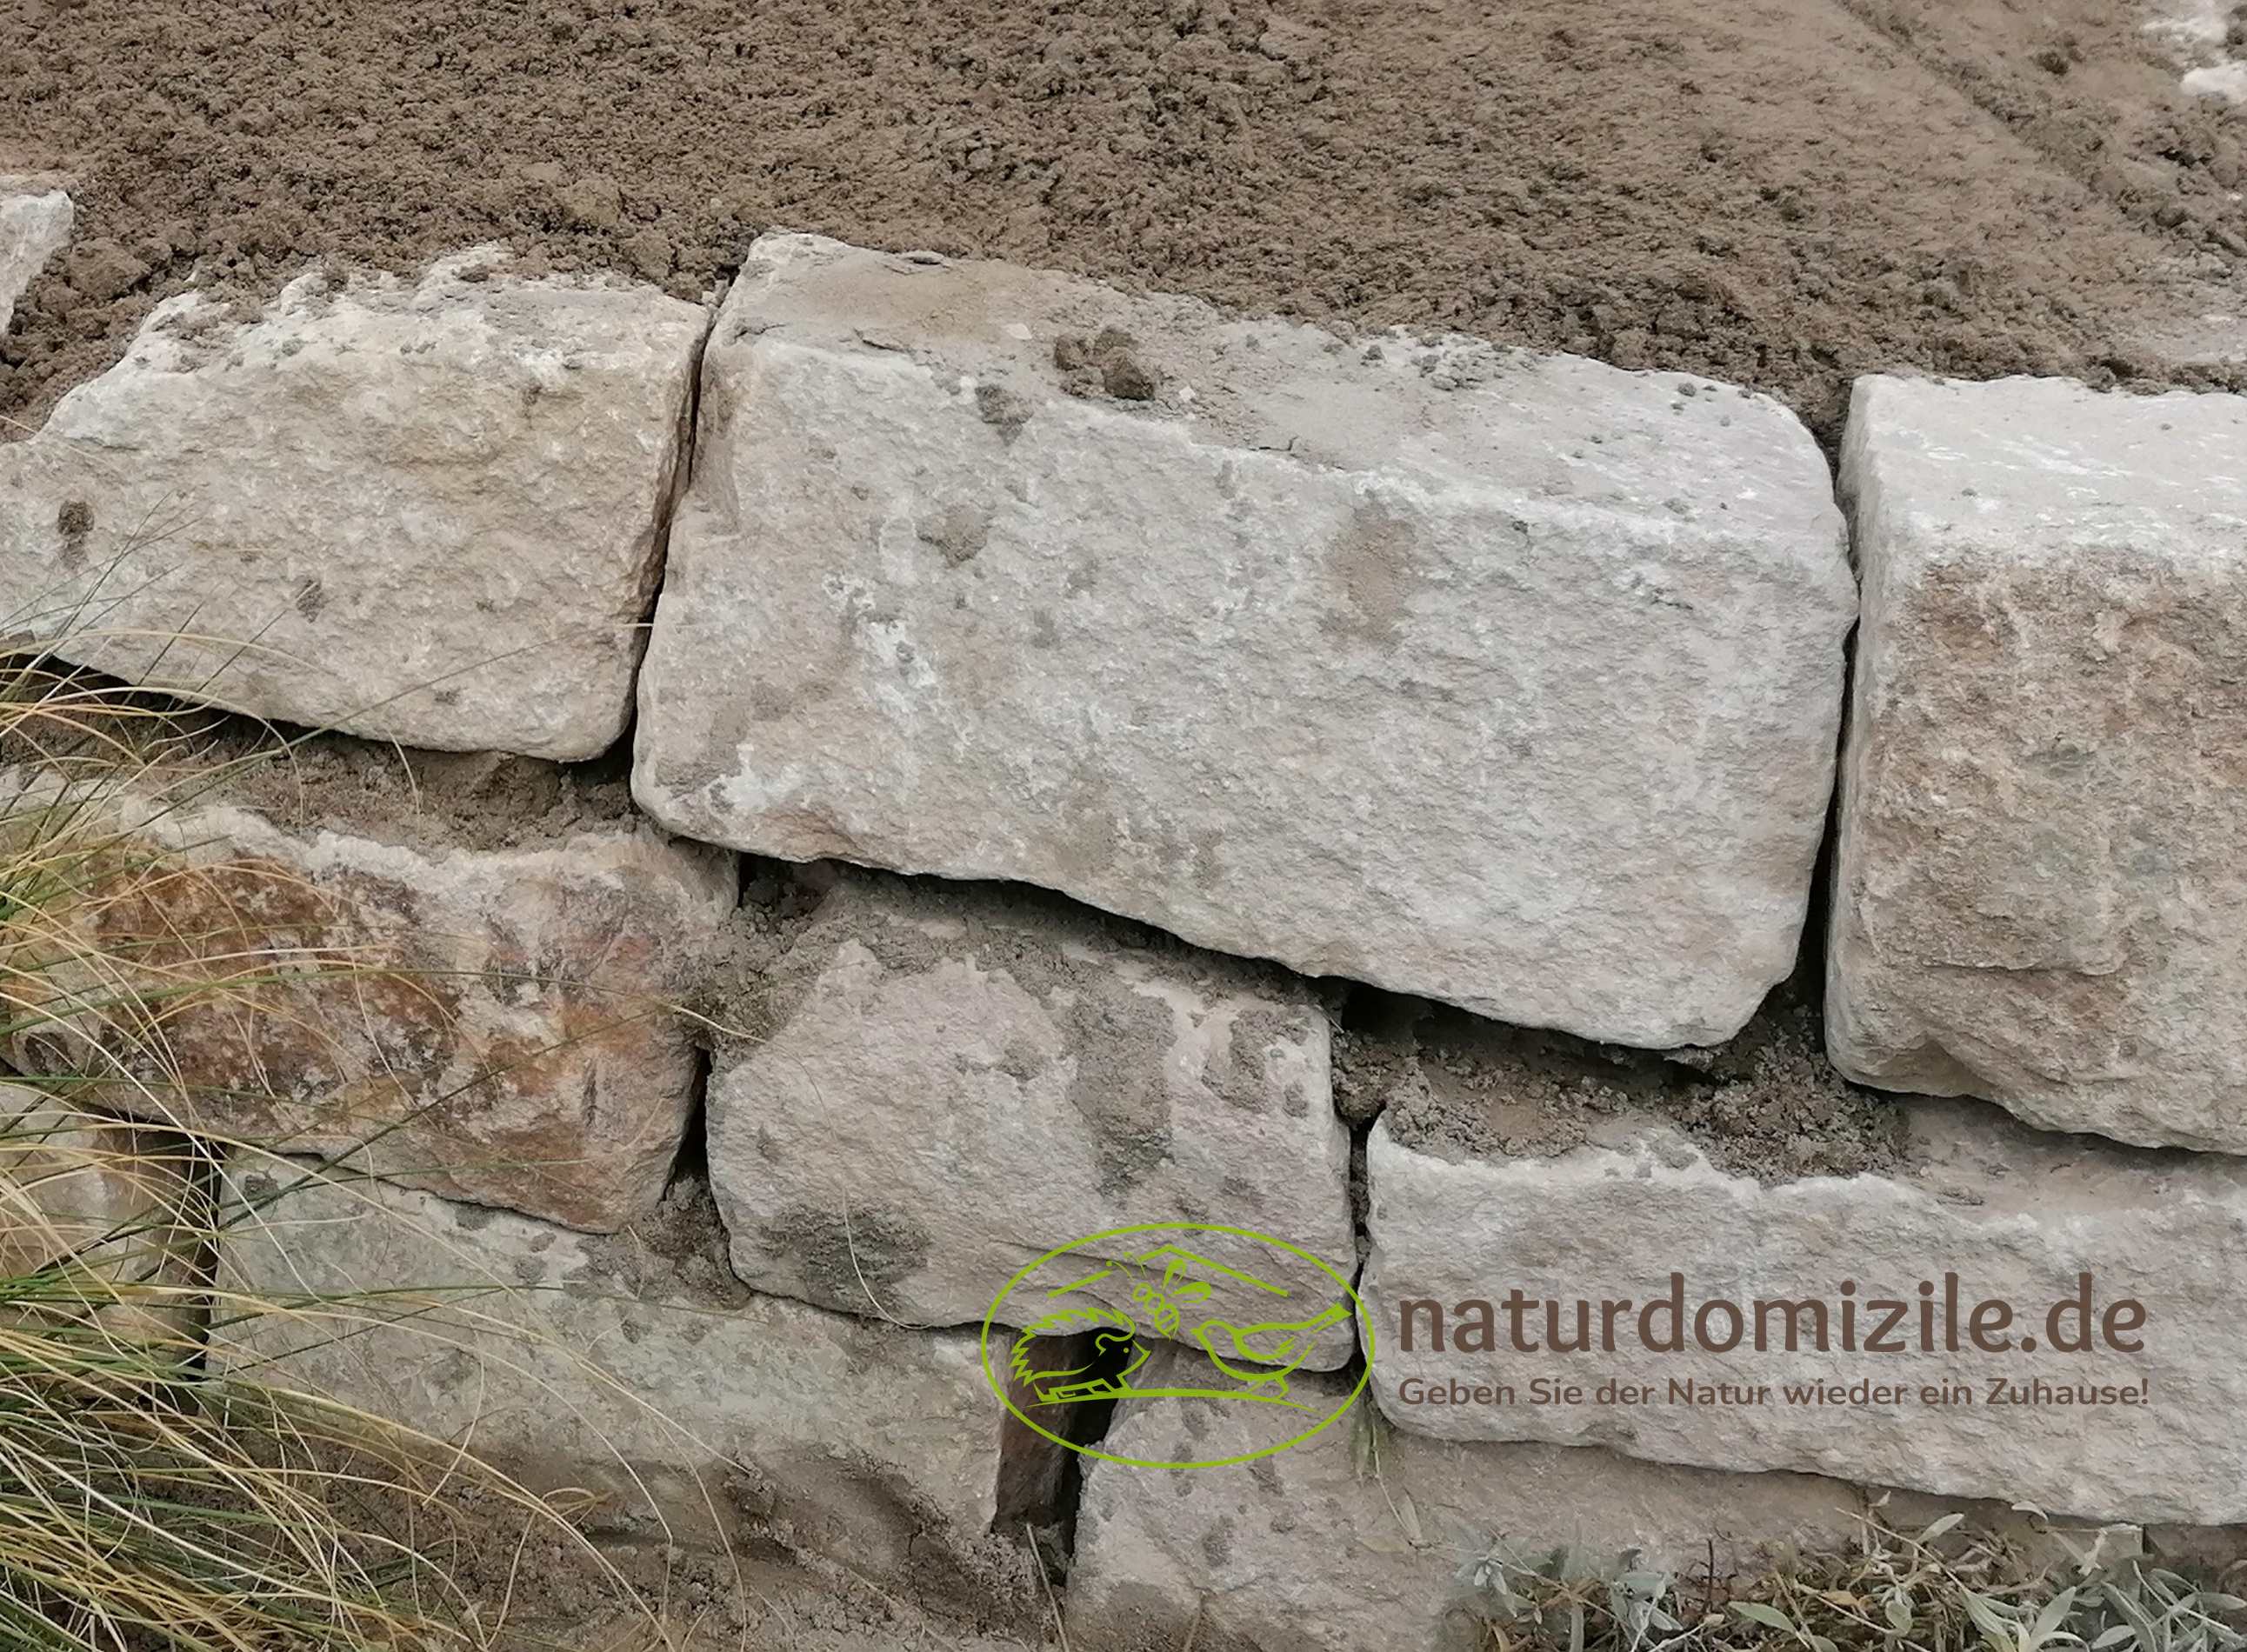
(1770, 1616)
(1991, 1620)
(2054, 1614)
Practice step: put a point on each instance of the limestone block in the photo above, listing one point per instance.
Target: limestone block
(1978, 1211)
(957, 1079)
(422, 512)
(631, 1361)
(1352, 1541)
(33, 229)
(2038, 897)
(496, 1024)
(1503, 679)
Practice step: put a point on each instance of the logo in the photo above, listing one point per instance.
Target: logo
(1254, 1309)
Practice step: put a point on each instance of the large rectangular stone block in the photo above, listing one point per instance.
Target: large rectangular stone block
(497, 1022)
(425, 512)
(1353, 1541)
(1506, 680)
(1756, 1320)
(2039, 896)
(949, 1082)
(632, 1361)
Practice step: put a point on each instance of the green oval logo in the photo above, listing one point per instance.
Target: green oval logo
(1254, 1309)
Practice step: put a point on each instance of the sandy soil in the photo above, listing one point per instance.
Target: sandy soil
(1780, 191)
(1767, 1104)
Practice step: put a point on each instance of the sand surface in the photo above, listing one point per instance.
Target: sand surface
(1784, 193)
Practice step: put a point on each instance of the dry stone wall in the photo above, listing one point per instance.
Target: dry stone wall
(1390, 680)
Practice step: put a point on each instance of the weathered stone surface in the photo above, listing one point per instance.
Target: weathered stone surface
(2039, 897)
(1507, 680)
(958, 1080)
(2015, 1218)
(78, 1184)
(33, 229)
(497, 1024)
(1352, 1541)
(428, 513)
(632, 1362)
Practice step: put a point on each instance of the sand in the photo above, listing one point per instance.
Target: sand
(1783, 193)
(1768, 1105)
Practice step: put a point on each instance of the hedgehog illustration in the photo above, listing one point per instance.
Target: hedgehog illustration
(1161, 1295)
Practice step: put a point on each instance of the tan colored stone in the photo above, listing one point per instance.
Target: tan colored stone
(956, 1080)
(2039, 897)
(1355, 1540)
(634, 1364)
(1506, 680)
(428, 512)
(1642, 1218)
(498, 1025)
(108, 1210)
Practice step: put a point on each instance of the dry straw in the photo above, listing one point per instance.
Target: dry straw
(150, 1499)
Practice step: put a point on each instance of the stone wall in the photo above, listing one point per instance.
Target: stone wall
(1099, 763)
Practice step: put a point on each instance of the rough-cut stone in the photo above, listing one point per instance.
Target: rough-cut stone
(2039, 897)
(957, 1079)
(1352, 1541)
(632, 1362)
(428, 513)
(33, 229)
(80, 1185)
(1507, 680)
(2011, 1217)
(499, 1024)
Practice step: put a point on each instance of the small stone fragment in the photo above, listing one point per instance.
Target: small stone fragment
(33, 229)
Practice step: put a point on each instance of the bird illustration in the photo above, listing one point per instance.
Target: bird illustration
(1289, 1344)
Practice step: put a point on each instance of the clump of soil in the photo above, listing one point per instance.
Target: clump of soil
(1768, 1105)
(1783, 195)
(1107, 363)
(418, 799)
(677, 1249)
